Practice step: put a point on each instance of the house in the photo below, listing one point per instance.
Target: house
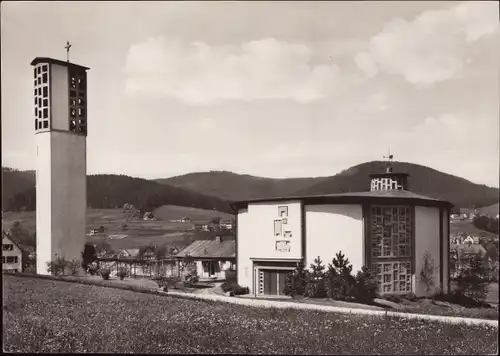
(128, 253)
(226, 225)
(212, 257)
(186, 219)
(388, 228)
(12, 254)
(148, 216)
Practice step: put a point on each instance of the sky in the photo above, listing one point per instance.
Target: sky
(272, 89)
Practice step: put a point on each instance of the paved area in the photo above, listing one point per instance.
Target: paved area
(285, 305)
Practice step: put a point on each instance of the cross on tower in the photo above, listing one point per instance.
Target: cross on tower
(68, 46)
(389, 158)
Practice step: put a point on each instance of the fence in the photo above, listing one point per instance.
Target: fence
(142, 268)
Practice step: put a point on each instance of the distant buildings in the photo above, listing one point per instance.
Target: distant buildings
(12, 255)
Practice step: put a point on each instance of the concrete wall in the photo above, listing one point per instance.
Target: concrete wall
(446, 252)
(426, 239)
(61, 193)
(69, 194)
(256, 236)
(14, 252)
(43, 201)
(334, 228)
(59, 97)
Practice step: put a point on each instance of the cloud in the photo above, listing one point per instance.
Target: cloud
(431, 48)
(197, 73)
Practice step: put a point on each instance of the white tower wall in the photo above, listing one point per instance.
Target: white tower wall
(61, 168)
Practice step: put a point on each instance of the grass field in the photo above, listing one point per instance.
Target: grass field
(53, 316)
(138, 232)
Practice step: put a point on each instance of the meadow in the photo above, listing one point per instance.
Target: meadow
(55, 316)
(136, 233)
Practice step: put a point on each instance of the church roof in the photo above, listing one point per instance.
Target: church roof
(37, 60)
(404, 196)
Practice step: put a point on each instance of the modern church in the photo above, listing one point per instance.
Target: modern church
(388, 228)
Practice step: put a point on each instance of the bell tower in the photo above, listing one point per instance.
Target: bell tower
(60, 120)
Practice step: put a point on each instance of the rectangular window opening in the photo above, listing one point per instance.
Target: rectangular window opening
(277, 227)
(45, 102)
(39, 125)
(45, 113)
(46, 124)
(45, 92)
(72, 93)
(283, 211)
(44, 78)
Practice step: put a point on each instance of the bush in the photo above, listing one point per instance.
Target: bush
(73, 266)
(472, 279)
(365, 286)
(296, 281)
(122, 273)
(339, 281)
(235, 288)
(105, 273)
(315, 286)
(427, 273)
(57, 266)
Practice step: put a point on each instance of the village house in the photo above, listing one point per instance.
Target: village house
(12, 254)
(226, 225)
(212, 257)
(388, 229)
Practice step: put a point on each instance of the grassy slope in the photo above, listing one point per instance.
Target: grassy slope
(139, 233)
(47, 316)
(491, 210)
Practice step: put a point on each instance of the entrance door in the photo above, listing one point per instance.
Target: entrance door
(273, 281)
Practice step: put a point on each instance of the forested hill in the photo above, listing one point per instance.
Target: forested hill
(422, 180)
(109, 191)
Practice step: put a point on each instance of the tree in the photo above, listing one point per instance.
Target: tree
(427, 273)
(339, 279)
(296, 281)
(365, 288)
(89, 255)
(215, 221)
(472, 278)
(316, 285)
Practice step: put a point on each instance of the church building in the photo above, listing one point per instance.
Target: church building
(388, 228)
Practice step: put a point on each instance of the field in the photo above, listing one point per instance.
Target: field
(55, 316)
(467, 227)
(137, 232)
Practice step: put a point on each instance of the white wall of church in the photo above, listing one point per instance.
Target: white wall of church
(426, 239)
(43, 201)
(334, 228)
(256, 238)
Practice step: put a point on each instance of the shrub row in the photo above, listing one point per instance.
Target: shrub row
(335, 281)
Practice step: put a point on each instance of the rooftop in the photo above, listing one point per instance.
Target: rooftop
(210, 249)
(38, 60)
(353, 197)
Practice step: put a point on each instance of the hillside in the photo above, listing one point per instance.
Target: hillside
(491, 210)
(109, 191)
(422, 180)
(231, 186)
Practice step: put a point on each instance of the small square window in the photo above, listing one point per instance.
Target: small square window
(39, 80)
(72, 125)
(44, 68)
(81, 112)
(81, 129)
(45, 102)
(81, 122)
(39, 70)
(72, 94)
(80, 101)
(72, 113)
(72, 102)
(283, 211)
(73, 82)
(45, 124)
(45, 113)
(45, 92)
(44, 77)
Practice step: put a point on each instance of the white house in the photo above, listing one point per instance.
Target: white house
(212, 257)
(12, 256)
(387, 228)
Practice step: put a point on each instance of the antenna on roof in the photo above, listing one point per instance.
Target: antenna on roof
(389, 158)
